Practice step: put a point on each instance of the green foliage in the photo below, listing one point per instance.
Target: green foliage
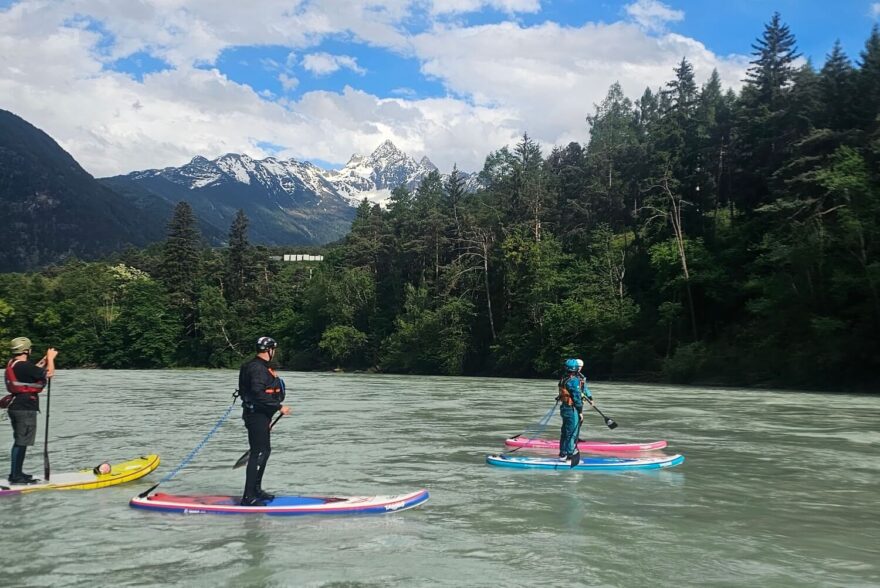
(429, 340)
(340, 342)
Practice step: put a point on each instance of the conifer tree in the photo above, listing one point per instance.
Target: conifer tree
(239, 262)
(772, 68)
(179, 269)
(837, 81)
(868, 81)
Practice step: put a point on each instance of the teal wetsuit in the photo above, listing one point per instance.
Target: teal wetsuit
(576, 385)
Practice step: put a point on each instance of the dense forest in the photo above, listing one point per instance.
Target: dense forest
(701, 235)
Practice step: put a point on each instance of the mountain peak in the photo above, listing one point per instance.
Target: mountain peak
(387, 149)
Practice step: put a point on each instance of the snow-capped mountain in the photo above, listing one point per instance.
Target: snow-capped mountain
(374, 176)
(300, 182)
(287, 201)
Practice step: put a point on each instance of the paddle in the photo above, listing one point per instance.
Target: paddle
(46, 438)
(608, 421)
(244, 458)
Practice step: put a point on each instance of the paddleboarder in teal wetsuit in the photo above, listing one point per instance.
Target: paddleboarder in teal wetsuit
(262, 393)
(572, 393)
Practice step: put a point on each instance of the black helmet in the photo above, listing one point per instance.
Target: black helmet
(265, 343)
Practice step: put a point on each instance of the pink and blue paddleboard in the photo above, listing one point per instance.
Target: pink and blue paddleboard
(586, 463)
(551, 444)
(281, 505)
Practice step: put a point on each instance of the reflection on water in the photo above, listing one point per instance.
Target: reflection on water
(773, 491)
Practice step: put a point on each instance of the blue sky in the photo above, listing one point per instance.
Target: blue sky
(127, 86)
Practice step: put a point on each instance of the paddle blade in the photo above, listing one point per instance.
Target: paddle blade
(575, 459)
(242, 460)
(150, 489)
(610, 422)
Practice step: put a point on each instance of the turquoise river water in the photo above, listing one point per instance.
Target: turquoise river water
(778, 488)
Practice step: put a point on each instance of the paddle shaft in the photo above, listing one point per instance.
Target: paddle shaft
(576, 458)
(244, 458)
(46, 432)
(608, 421)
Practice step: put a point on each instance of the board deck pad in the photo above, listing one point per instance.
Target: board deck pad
(281, 505)
(596, 446)
(86, 479)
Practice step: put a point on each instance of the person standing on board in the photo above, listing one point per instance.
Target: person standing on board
(572, 393)
(24, 380)
(262, 393)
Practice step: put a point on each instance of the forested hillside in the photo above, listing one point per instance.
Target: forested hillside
(700, 235)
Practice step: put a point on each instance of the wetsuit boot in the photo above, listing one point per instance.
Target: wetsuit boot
(255, 466)
(30, 479)
(17, 459)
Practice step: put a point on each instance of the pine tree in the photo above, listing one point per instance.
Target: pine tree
(179, 269)
(772, 68)
(837, 81)
(766, 125)
(238, 259)
(868, 81)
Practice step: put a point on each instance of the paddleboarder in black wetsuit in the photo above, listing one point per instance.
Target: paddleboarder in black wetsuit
(262, 393)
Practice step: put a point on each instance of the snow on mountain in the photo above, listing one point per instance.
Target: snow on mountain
(364, 176)
(375, 175)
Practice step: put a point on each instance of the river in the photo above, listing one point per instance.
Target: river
(778, 488)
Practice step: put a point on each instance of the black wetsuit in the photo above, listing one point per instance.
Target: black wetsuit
(262, 393)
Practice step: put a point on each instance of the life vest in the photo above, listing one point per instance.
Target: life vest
(564, 394)
(15, 387)
(277, 386)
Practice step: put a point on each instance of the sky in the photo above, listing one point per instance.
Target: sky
(128, 85)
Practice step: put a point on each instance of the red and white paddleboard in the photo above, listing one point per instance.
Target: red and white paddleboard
(281, 505)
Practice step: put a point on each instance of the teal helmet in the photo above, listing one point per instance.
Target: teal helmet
(571, 365)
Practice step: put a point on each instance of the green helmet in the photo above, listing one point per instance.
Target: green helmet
(20, 345)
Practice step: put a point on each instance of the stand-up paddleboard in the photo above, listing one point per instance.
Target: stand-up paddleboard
(586, 463)
(120, 473)
(282, 505)
(584, 445)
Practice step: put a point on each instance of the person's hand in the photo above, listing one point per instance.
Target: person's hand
(51, 353)
(285, 410)
(580, 417)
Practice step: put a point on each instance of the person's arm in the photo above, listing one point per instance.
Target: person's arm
(587, 394)
(50, 361)
(574, 389)
(261, 379)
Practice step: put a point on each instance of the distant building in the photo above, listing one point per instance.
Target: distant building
(299, 257)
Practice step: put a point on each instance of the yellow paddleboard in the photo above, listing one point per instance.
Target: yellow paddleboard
(120, 473)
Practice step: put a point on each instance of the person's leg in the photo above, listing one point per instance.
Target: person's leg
(562, 432)
(14, 472)
(24, 428)
(258, 437)
(27, 438)
(569, 431)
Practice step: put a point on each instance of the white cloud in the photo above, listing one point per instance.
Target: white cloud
(501, 80)
(552, 86)
(288, 82)
(463, 6)
(875, 9)
(322, 64)
(653, 15)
